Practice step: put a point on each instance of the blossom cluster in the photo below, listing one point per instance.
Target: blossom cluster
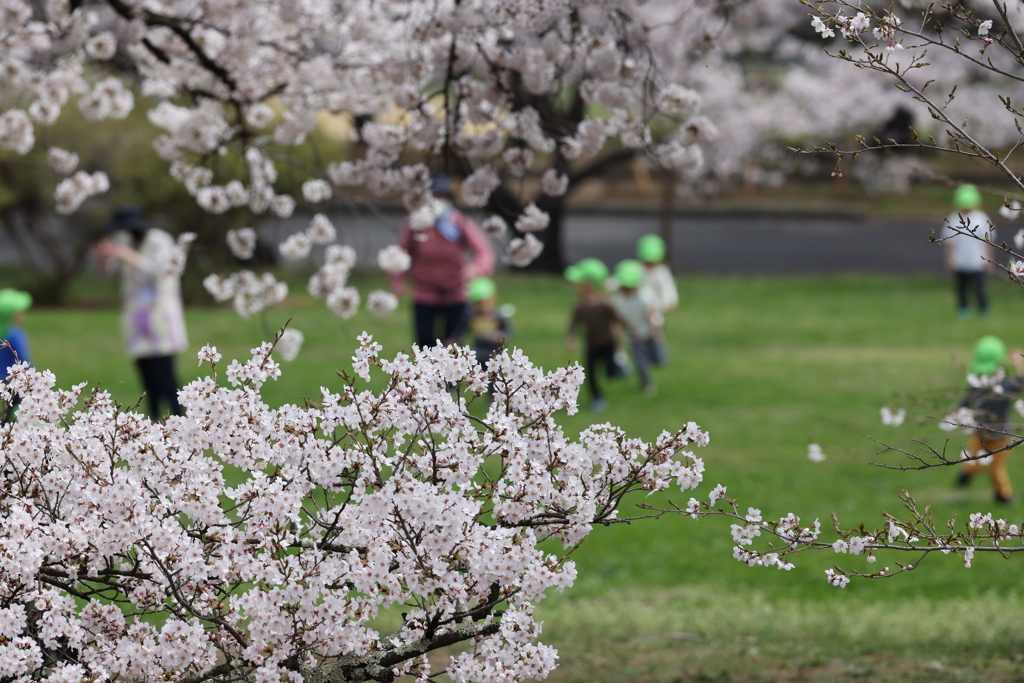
(245, 541)
(248, 292)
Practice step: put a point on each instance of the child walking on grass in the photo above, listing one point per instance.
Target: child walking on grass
(650, 250)
(638, 310)
(600, 324)
(990, 394)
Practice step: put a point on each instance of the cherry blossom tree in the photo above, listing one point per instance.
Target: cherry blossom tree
(463, 86)
(337, 542)
(495, 93)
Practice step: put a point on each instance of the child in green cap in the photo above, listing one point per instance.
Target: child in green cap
(638, 310)
(989, 396)
(650, 251)
(966, 238)
(488, 327)
(601, 325)
(13, 304)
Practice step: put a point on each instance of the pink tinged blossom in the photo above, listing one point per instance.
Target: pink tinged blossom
(45, 111)
(518, 161)
(321, 230)
(393, 260)
(296, 246)
(259, 115)
(495, 226)
(209, 354)
(476, 189)
(61, 160)
(316, 191)
(522, 251)
(289, 344)
(102, 46)
(532, 219)
(213, 199)
(553, 183)
(822, 28)
(680, 157)
(381, 303)
(716, 494)
(16, 131)
(984, 27)
(344, 302)
(835, 579)
(242, 242)
(72, 191)
(282, 205)
(677, 100)
(1017, 269)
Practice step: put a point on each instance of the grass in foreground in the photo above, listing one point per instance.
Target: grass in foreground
(768, 365)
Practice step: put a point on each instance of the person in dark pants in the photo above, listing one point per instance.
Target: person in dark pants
(439, 238)
(152, 316)
(601, 326)
(967, 238)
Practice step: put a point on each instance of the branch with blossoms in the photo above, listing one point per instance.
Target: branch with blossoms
(886, 44)
(787, 537)
(241, 542)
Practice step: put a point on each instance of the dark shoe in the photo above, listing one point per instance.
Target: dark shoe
(963, 479)
(1003, 500)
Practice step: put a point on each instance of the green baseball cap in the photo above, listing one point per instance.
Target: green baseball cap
(989, 354)
(481, 288)
(629, 273)
(590, 270)
(966, 197)
(12, 301)
(651, 249)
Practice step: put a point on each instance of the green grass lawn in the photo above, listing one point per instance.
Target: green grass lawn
(767, 365)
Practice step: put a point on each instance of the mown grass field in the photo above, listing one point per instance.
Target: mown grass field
(767, 365)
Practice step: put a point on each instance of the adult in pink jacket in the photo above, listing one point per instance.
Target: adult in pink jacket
(447, 250)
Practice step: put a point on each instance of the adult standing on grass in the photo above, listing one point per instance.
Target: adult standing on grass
(152, 316)
(446, 251)
(990, 396)
(966, 238)
(13, 341)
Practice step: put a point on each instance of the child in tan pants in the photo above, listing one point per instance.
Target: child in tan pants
(990, 395)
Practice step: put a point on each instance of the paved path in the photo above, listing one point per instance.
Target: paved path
(764, 243)
(701, 243)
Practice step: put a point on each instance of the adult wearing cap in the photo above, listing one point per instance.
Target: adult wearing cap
(595, 315)
(966, 238)
(152, 316)
(989, 396)
(447, 250)
(13, 304)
